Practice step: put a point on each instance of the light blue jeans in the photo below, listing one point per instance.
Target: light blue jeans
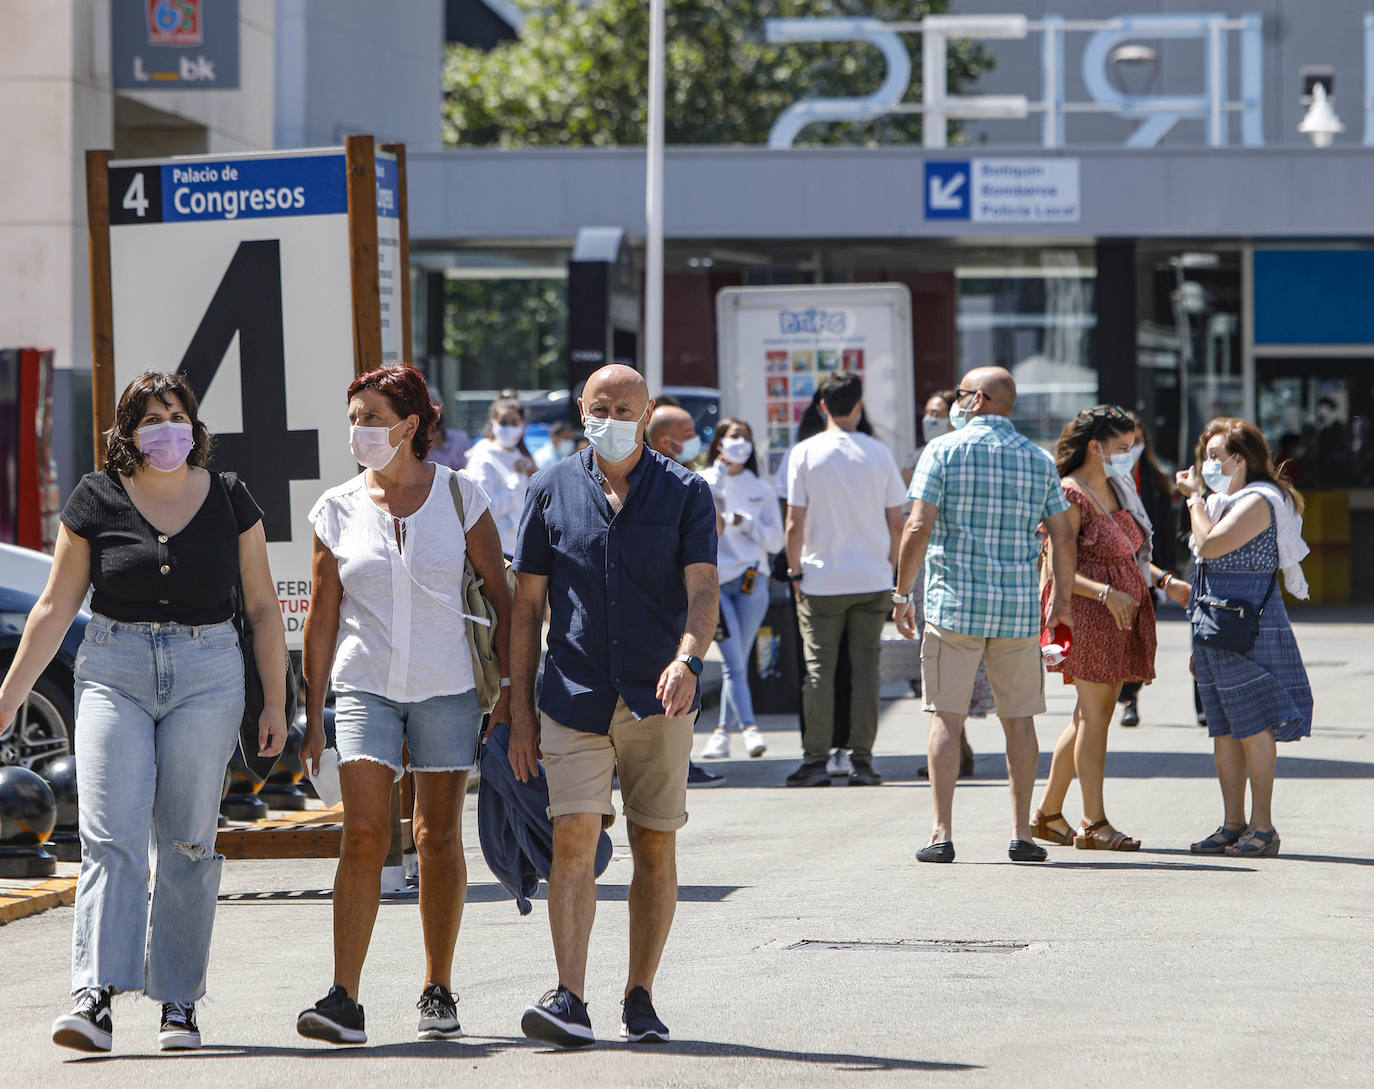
(743, 613)
(158, 708)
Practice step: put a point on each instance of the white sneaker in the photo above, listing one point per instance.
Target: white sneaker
(839, 764)
(393, 879)
(754, 743)
(718, 747)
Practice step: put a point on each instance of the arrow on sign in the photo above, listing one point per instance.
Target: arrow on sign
(944, 194)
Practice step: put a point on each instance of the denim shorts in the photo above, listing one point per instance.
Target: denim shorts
(441, 734)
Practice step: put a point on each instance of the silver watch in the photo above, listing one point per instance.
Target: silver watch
(901, 599)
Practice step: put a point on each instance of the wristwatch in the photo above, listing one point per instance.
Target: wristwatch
(900, 599)
(692, 662)
(795, 576)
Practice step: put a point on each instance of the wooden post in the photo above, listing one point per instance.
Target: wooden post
(403, 211)
(362, 248)
(102, 302)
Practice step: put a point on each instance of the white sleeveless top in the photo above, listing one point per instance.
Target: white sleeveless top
(401, 629)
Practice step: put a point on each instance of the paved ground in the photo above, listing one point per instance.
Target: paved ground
(810, 947)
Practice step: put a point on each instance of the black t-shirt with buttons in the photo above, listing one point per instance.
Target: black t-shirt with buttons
(141, 574)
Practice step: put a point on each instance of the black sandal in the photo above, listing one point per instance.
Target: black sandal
(1218, 841)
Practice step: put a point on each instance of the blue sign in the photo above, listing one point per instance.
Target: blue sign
(947, 189)
(250, 188)
(388, 188)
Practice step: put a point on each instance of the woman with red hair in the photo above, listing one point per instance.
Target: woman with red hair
(386, 630)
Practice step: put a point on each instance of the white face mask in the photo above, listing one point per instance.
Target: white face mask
(959, 415)
(934, 426)
(1119, 465)
(508, 436)
(564, 447)
(736, 451)
(1217, 480)
(690, 449)
(372, 447)
(1136, 451)
(613, 440)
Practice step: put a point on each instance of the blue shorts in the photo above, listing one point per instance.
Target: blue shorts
(441, 734)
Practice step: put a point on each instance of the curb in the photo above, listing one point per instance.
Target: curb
(54, 892)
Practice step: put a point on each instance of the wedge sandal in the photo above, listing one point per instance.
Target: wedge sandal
(1040, 828)
(1086, 840)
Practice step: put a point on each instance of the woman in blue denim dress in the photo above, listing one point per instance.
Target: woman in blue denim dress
(159, 698)
(1243, 534)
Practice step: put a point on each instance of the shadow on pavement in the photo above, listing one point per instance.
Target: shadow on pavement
(475, 1047)
(991, 768)
(479, 893)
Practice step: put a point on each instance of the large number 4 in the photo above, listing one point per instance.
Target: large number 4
(134, 200)
(267, 455)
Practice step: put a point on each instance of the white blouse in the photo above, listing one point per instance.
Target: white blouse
(759, 532)
(493, 467)
(401, 629)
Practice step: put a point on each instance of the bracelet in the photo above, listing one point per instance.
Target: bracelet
(1196, 500)
(505, 682)
(1106, 589)
(1164, 581)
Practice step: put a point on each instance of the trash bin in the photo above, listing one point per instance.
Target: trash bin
(774, 675)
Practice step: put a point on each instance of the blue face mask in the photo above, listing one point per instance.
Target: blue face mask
(613, 440)
(1119, 465)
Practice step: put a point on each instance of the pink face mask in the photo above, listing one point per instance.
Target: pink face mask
(166, 445)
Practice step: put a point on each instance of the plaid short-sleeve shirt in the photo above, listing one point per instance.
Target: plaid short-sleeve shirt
(992, 487)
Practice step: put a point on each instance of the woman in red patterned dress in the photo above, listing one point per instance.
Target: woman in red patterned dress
(1113, 616)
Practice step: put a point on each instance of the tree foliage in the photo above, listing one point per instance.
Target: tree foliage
(578, 74)
(507, 332)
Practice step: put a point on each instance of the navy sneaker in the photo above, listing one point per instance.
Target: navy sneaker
(810, 775)
(560, 1019)
(89, 1026)
(639, 1024)
(179, 1031)
(335, 1018)
(697, 776)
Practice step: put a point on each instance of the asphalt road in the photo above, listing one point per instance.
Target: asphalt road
(811, 949)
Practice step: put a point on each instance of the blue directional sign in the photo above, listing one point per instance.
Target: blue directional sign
(248, 187)
(947, 189)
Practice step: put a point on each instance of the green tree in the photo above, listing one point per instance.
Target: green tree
(507, 332)
(577, 75)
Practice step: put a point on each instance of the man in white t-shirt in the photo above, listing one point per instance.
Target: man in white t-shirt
(844, 524)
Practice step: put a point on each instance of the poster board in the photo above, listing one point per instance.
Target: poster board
(258, 277)
(776, 344)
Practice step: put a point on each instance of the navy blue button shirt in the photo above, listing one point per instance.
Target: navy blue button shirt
(617, 595)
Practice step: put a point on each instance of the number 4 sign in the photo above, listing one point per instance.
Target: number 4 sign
(261, 278)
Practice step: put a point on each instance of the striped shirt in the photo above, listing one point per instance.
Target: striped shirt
(992, 487)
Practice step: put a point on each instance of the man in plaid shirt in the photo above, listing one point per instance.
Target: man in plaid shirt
(981, 491)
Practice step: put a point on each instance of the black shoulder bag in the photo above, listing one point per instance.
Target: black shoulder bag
(259, 767)
(1225, 623)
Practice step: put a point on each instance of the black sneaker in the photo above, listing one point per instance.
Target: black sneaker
(89, 1026)
(179, 1031)
(697, 776)
(438, 1014)
(560, 1019)
(810, 775)
(335, 1018)
(1130, 714)
(639, 1024)
(863, 775)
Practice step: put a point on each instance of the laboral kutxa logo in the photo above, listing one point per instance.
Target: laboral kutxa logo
(174, 22)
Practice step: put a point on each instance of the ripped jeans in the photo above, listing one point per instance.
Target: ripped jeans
(158, 708)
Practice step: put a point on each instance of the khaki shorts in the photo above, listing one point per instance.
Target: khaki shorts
(949, 661)
(652, 755)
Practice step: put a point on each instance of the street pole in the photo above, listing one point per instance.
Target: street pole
(653, 208)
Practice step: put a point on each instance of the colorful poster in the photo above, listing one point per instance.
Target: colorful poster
(778, 344)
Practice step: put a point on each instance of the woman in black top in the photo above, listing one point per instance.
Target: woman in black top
(159, 699)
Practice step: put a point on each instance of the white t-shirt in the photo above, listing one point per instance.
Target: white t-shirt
(401, 629)
(846, 480)
(758, 533)
(493, 467)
